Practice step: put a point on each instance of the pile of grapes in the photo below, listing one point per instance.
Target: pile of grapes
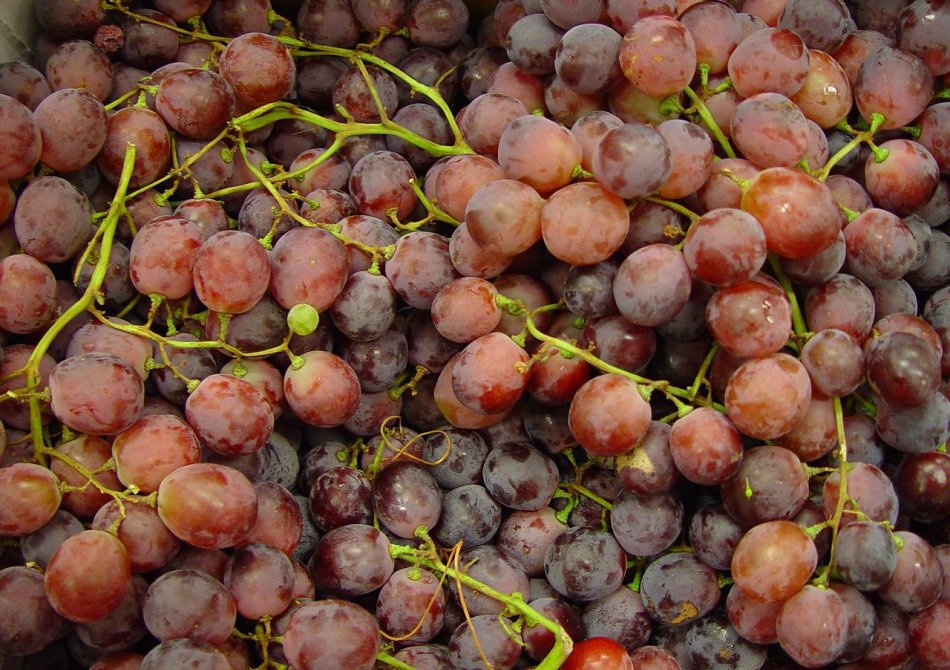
(351, 334)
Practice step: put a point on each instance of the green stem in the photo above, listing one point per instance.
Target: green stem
(877, 120)
(392, 662)
(835, 521)
(675, 206)
(587, 493)
(798, 321)
(644, 386)
(562, 641)
(710, 122)
(108, 227)
(703, 369)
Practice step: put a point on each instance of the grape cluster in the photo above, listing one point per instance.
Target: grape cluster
(581, 334)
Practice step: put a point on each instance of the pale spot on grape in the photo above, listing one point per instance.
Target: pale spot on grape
(687, 611)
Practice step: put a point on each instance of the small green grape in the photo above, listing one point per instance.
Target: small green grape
(303, 319)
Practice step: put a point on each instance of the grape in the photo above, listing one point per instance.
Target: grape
(813, 436)
(822, 25)
(519, 476)
(771, 60)
(411, 603)
(658, 55)
(714, 643)
(280, 522)
(927, 631)
(754, 129)
(377, 363)
(586, 59)
(72, 124)
(916, 483)
(678, 589)
(96, 393)
(330, 564)
(652, 285)
(178, 653)
(149, 543)
(456, 456)
(352, 93)
(903, 369)
(917, 579)
(489, 375)
(724, 246)
(465, 309)
(753, 620)
(625, 146)
(812, 626)
(933, 124)
(495, 568)
(23, 82)
(406, 497)
(79, 64)
(527, 535)
(597, 421)
(33, 624)
(148, 44)
(769, 484)
(163, 255)
(894, 83)
(834, 362)
(749, 319)
(229, 415)
(619, 616)
(486, 118)
(338, 386)
(569, 241)
(469, 515)
(617, 341)
(191, 503)
(585, 564)
(646, 526)
(260, 578)
(865, 555)
(767, 396)
(331, 633)
(869, 490)
(340, 496)
(146, 130)
(691, 154)
(420, 267)
(430, 67)
(87, 576)
(258, 68)
(531, 44)
(798, 213)
(437, 23)
(208, 617)
(773, 560)
(27, 294)
(650, 657)
(494, 642)
(890, 643)
(598, 652)
(91, 453)
(538, 152)
(13, 413)
(843, 303)
(31, 497)
(39, 546)
(239, 258)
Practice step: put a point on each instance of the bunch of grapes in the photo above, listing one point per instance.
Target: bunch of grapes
(581, 334)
